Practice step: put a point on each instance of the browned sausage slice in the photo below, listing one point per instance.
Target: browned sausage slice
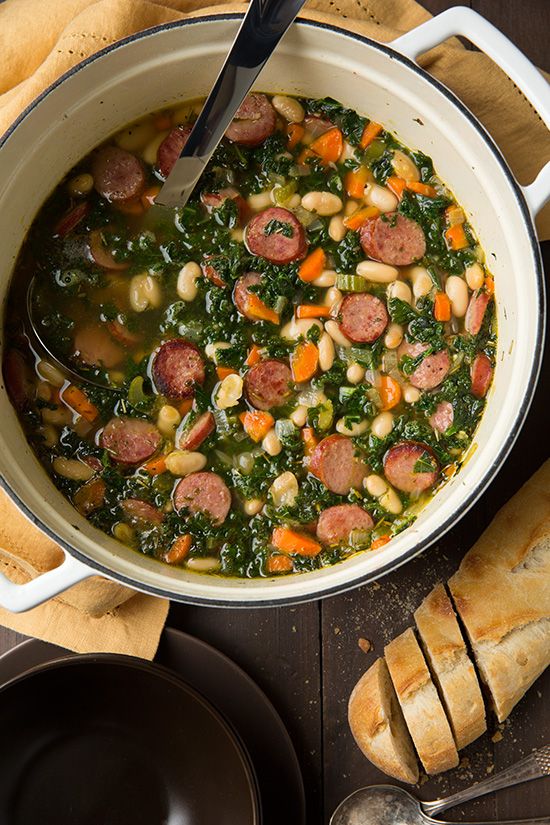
(411, 467)
(213, 200)
(334, 462)
(93, 345)
(71, 219)
(171, 148)
(130, 440)
(18, 378)
(276, 234)
(363, 317)
(90, 497)
(481, 374)
(122, 334)
(432, 370)
(141, 511)
(476, 312)
(268, 384)
(254, 121)
(100, 252)
(393, 239)
(336, 523)
(204, 493)
(118, 175)
(241, 293)
(316, 125)
(443, 417)
(211, 271)
(204, 425)
(177, 368)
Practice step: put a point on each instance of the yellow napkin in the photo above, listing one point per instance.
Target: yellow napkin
(41, 40)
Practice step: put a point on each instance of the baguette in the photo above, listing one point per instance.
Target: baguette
(502, 594)
(420, 703)
(451, 668)
(378, 727)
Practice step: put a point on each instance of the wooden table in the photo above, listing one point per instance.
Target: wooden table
(307, 658)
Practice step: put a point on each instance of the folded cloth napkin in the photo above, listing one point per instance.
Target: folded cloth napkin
(40, 41)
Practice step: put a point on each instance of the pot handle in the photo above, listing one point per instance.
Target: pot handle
(17, 598)
(463, 21)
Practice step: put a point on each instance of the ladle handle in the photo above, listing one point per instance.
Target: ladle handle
(534, 766)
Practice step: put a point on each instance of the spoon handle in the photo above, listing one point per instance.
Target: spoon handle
(264, 24)
(534, 766)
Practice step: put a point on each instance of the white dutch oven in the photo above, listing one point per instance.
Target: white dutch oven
(179, 61)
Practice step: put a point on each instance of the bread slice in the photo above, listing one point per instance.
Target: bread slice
(502, 594)
(420, 703)
(452, 670)
(378, 726)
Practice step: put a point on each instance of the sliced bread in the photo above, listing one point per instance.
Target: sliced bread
(502, 594)
(378, 727)
(420, 703)
(452, 670)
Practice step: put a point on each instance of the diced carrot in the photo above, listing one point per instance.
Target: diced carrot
(329, 145)
(254, 356)
(256, 423)
(304, 361)
(442, 307)
(184, 406)
(295, 132)
(421, 188)
(355, 180)
(279, 564)
(490, 284)
(454, 214)
(162, 122)
(312, 311)
(156, 466)
(449, 470)
(380, 542)
(223, 372)
(310, 439)
(133, 207)
(261, 311)
(370, 132)
(312, 266)
(397, 185)
(456, 237)
(179, 550)
(305, 154)
(289, 541)
(389, 391)
(359, 217)
(148, 197)
(78, 401)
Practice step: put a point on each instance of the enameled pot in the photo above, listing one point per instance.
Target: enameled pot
(179, 61)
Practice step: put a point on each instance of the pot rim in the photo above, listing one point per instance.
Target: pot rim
(467, 503)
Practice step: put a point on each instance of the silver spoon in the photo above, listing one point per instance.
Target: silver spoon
(390, 805)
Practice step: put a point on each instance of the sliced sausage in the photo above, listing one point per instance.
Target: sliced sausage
(213, 200)
(204, 425)
(254, 121)
(93, 345)
(443, 417)
(171, 148)
(286, 243)
(122, 334)
(211, 271)
(481, 373)
(241, 293)
(71, 219)
(476, 312)
(204, 493)
(393, 239)
(363, 317)
(90, 497)
(101, 254)
(141, 511)
(316, 125)
(407, 464)
(268, 384)
(336, 523)
(130, 440)
(334, 462)
(177, 368)
(118, 175)
(18, 378)
(431, 371)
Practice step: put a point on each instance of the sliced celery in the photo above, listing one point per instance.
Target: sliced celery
(351, 283)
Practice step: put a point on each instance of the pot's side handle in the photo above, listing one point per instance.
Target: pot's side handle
(475, 28)
(20, 597)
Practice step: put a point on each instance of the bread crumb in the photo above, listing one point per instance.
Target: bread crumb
(364, 645)
(497, 737)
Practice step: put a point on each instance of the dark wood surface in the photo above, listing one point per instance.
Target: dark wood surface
(307, 658)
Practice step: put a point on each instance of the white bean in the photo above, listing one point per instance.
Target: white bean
(206, 564)
(457, 292)
(355, 373)
(271, 443)
(49, 434)
(376, 272)
(350, 208)
(183, 463)
(421, 281)
(382, 425)
(43, 391)
(474, 276)
(252, 506)
(290, 108)
(80, 185)
(333, 298)
(210, 350)
(379, 196)
(229, 392)
(299, 415)
(186, 285)
(326, 278)
(168, 419)
(136, 137)
(296, 328)
(326, 352)
(149, 154)
(124, 533)
(410, 394)
(71, 468)
(336, 334)
(284, 490)
(59, 417)
(393, 336)
(260, 201)
(336, 228)
(50, 373)
(358, 428)
(375, 485)
(404, 167)
(145, 292)
(323, 203)
(401, 290)
(391, 502)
